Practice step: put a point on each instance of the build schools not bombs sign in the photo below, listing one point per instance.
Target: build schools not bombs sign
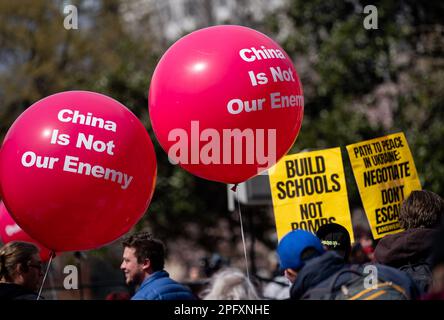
(309, 190)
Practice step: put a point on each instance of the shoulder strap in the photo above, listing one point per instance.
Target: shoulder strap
(377, 293)
(352, 270)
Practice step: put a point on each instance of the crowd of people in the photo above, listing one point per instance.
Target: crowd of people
(408, 265)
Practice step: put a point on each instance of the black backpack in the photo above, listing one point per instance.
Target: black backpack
(354, 289)
(420, 273)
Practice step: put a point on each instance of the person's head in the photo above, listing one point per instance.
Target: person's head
(359, 255)
(212, 264)
(20, 264)
(142, 255)
(421, 209)
(335, 237)
(295, 249)
(230, 284)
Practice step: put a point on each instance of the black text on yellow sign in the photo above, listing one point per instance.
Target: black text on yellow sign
(308, 191)
(385, 174)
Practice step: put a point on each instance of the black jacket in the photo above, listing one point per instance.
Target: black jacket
(314, 272)
(319, 272)
(407, 247)
(411, 252)
(12, 291)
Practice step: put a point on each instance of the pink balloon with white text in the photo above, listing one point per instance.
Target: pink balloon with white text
(10, 231)
(77, 170)
(226, 103)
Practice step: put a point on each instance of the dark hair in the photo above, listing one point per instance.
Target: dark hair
(14, 253)
(422, 208)
(335, 237)
(146, 247)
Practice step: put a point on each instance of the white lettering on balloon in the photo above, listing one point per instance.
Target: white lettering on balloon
(252, 54)
(277, 101)
(73, 164)
(236, 146)
(12, 229)
(67, 115)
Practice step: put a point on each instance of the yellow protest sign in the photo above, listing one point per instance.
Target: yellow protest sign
(308, 191)
(385, 173)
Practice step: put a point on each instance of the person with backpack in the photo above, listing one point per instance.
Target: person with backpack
(411, 249)
(317, 274)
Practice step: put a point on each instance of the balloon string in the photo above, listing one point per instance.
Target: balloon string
(52, 255)
(242, 233)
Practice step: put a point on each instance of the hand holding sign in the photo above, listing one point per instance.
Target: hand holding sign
(10, 231)
(77, 170)
(226, 103)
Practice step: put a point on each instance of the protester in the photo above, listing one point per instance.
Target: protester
(143, 265)
(213, 263)
(20, 271)
(410, 250)
(359, 254)
(230, 284)
(276, 288)
(362, 250)
(317, 274)
(335, 237)
(436, 289)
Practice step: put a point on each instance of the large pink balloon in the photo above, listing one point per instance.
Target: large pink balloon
(10, 231)
(217, 87)
(77, 170)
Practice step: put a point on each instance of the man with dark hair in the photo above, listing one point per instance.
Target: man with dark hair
(20, 271)
(295, 249)
(143, 263)
(410, 250)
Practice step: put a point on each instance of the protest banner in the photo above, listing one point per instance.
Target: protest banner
(385, 174)
(308, 190)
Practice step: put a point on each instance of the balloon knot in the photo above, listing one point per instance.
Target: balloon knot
(234, 188)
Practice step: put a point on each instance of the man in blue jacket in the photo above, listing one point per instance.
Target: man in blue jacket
(319, 275)
(143, 263)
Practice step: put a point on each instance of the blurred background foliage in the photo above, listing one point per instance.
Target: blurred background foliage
(358, 84)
